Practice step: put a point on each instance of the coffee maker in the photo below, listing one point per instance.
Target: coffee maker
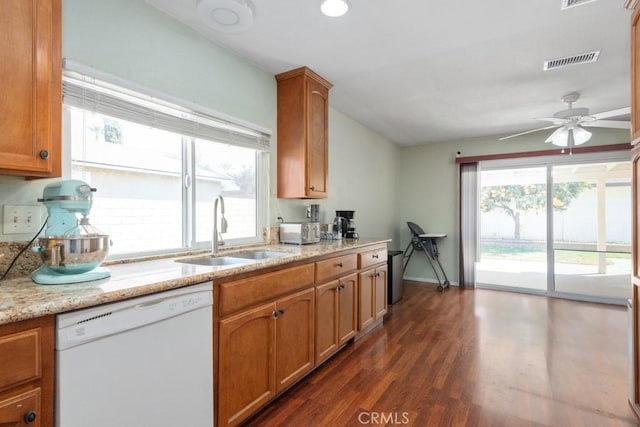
(348, 224)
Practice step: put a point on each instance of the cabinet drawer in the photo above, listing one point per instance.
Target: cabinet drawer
(18, 410)
(376, 255)
(20, 354)
(335, 267)
(250, 291)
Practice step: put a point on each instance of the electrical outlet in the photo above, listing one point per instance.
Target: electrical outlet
(21, 219)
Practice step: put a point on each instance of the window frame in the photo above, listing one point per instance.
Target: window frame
(188, 150)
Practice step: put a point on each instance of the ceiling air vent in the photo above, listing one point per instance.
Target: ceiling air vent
(582, 58)
(566, 4)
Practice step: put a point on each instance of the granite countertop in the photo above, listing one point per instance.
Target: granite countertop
(22, 299)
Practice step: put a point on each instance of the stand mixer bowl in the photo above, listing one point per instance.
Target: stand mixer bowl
(73, 254)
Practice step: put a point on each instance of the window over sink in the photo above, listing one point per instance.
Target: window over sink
(158, 166)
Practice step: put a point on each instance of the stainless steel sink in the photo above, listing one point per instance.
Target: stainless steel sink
(215, 261)
(260, 254)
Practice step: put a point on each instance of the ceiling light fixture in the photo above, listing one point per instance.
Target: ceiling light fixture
(230, 16)
(569, 136)
(334, 8)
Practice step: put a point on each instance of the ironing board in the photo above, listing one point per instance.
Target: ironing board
(427, 242)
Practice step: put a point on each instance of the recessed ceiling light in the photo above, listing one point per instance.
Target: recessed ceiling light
(334, 8)
(230, 16)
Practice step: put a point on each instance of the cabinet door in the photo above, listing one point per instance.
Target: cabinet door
(635, 75)
(21, 352)
(347, 308)
(317, 138)
(366, 301)
(21, 410)
(294, 338)
(246, 360)
(327, 339)
(30, 105)
(380, 276)
(303, 116)
(27, 356)
(635, 276)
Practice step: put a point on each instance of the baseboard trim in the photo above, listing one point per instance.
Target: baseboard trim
(423, 280)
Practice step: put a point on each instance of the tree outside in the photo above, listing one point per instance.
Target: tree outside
(515, 200)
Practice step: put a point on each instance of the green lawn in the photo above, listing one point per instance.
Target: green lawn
(523, 252)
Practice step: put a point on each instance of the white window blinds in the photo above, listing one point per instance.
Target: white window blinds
(94, 91)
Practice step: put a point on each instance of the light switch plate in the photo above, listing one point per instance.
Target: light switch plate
(21, 219)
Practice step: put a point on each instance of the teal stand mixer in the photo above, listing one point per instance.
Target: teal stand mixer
(71, 249)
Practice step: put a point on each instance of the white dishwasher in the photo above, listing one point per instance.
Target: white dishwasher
(142, 362)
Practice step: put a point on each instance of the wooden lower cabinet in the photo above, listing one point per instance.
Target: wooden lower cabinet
(22, 410)
(372, 296)
(380, 306)
(262, 351)
(347, 308)
(273, 328)
(26, 373)
(294, 338)
(246, 364)
(335, 315)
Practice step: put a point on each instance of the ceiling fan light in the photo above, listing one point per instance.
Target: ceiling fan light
(559, 137)
(334, 8)
(581, 135)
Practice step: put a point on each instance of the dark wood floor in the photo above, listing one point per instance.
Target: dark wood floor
(471, 358)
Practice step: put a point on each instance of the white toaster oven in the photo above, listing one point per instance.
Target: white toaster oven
(300, 233)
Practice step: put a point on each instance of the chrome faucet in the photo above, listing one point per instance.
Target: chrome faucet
(223, 225)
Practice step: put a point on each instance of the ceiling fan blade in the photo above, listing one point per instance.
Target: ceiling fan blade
(618, 124)
(555, 120)
(612, 113)
(529, 131)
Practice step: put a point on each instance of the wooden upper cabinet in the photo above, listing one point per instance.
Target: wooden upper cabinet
(635, 74)
(31, 101)
(303, 113)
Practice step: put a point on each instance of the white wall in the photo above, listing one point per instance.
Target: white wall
(134, 41)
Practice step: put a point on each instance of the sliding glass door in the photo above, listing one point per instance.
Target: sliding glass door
(562, 228)
(592, 229)
(513, 228)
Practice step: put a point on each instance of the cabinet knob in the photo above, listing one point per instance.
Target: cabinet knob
(312, 188)
(29, 417)
(377, 275)
(281, 311)
(275, 314)
(340, 264)
(44, 154)
(374, 256)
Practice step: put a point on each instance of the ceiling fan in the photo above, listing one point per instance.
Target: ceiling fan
(571, 123)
